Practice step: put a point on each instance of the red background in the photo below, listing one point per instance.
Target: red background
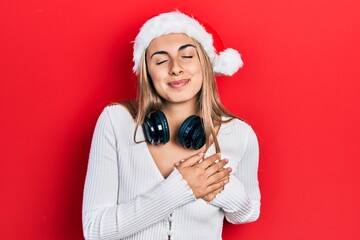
(63, 61)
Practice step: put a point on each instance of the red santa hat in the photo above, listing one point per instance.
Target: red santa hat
(224, 61)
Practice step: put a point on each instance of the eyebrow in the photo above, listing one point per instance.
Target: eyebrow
(180, 48)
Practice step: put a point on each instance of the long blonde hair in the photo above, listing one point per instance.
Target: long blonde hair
(211, 108)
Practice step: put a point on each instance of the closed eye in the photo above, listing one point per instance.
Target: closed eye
(187, 56)
(158, 63)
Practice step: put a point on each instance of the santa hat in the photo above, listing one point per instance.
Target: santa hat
(224, 61)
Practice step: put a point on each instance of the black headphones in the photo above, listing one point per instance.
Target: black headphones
(191, 133)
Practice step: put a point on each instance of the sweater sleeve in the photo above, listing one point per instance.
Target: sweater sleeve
(103, 216)
(240, 198)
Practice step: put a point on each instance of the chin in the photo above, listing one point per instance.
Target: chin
(182, 99)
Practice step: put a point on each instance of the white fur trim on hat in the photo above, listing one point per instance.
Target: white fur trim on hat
(226, 63)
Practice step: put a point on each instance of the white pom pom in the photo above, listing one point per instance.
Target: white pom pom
(227, 62)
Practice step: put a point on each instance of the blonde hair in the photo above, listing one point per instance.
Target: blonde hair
(211, 108)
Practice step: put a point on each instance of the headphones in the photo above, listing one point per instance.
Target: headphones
(191, 133)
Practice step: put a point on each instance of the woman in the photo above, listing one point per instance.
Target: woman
(157, 165)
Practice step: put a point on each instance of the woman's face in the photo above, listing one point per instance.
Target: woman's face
(174, 67)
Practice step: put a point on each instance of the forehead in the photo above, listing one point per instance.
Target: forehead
(169, 41)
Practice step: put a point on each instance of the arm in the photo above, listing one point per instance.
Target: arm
(240, 198)
(103, 216)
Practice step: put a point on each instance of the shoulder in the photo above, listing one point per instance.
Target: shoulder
(238, 136)
(251, 139)
(117, 120)
(118, 111)
(116, 116)
(236, 125)
(240, 130)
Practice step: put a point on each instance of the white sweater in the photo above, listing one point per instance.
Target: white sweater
(126, 197)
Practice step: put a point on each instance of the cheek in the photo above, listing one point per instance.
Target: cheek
(156, 79)
(196, 71)
(154, 76)
(157, 82)
(157, 72)
(195, 68)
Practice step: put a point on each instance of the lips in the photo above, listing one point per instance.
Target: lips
(178, 84)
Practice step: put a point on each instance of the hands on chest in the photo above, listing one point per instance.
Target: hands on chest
(205, 176)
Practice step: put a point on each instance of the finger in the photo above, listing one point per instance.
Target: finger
(216, 186)
(226, 177)
(179, 162)
(219, 175)
(217, 191)
(216, 167)
(213, 194)
(210, 160)
(209, 197)
(192, 160)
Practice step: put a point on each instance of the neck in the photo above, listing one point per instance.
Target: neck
(176, 113)
(180, 111)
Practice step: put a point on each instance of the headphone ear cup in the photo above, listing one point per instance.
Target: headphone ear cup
(149, 130)
(162, 127)
(191, 133)
(198, 137)
(156, 128)
(165, 125)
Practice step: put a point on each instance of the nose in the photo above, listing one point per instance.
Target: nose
(175, 68)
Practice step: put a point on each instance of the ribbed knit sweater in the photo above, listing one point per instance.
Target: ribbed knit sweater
(126, 196)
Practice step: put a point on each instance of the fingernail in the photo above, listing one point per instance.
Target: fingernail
(229, 169)
(226, 160)
(226, 181)
(177, 164)
(201, 154)
(182, 160)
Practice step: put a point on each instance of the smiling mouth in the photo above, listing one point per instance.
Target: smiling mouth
(178, 84)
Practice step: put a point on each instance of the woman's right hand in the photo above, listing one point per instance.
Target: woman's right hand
(205, 178)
